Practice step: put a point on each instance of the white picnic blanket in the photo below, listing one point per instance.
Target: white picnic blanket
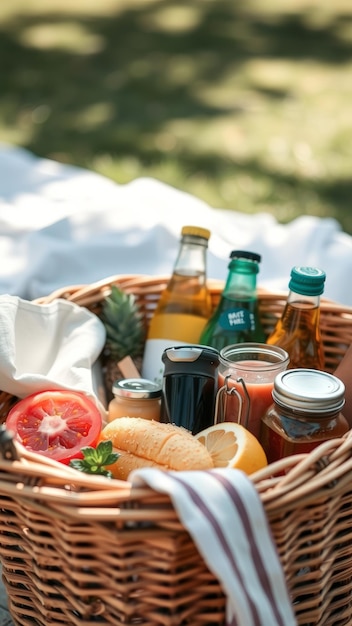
(61, 225)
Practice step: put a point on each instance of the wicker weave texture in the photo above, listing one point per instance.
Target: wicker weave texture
(104, 553)
(85, 550)
(114, 557)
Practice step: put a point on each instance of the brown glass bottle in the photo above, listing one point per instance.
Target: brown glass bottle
(298, 330)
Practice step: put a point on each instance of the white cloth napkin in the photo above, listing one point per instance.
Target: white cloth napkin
(223, 513)
(49, 346)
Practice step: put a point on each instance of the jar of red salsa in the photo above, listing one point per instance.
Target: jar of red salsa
(306, 411)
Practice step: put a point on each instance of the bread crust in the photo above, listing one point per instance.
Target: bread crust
(148, 443)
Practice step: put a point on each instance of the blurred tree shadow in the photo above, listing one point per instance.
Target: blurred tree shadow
(75, 104)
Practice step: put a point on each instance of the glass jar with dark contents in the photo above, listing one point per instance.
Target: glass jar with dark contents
(306, 411)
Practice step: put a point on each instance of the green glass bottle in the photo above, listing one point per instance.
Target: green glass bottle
(236, 318)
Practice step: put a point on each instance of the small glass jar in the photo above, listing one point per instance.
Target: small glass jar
(135, 397)
(306, 411)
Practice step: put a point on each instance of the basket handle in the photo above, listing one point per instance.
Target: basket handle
(8, 450)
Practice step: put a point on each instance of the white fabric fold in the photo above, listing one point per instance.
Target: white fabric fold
(223, 513)
(49, 346)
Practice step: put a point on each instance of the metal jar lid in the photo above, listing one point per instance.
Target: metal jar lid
(136, 388)
(308, 390)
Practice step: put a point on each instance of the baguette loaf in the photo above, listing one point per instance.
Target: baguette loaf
(147, 443)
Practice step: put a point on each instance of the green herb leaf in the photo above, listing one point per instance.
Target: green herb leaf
(95, 459)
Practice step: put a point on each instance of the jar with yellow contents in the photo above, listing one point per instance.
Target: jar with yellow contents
(135, 397)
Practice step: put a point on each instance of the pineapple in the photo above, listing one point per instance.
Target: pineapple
(125, 334)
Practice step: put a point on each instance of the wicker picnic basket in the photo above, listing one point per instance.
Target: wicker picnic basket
(78, 549)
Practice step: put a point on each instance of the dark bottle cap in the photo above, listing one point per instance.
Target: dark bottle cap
(308, 281)
(197, 360)
(245, 254)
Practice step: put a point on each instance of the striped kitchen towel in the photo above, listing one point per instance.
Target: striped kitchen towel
(223, 513)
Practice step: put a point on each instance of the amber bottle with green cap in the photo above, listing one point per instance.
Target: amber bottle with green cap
(298, 329)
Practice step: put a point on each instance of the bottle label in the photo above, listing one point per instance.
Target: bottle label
(237, 319)
(153, 367)
(166, 330)
(182, 327)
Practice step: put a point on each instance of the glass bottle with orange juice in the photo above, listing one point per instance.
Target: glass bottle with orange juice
(184, 306)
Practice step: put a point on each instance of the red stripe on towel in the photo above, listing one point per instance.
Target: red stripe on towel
(257, 559)
(202, 506)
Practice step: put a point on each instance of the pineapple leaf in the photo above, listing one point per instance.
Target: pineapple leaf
(125, 332)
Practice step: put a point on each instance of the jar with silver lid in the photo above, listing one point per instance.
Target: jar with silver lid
(306, 411)
(135, 397)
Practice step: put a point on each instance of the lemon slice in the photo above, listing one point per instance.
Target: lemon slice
(232, 445)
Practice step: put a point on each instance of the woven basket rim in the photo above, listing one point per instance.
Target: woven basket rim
(147, 280)
(292, 483)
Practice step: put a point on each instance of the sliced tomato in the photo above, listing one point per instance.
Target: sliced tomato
(56, 424)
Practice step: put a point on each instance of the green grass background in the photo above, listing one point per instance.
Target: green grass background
(246, 105)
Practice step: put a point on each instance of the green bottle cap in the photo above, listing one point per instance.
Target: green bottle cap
(308, 281)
